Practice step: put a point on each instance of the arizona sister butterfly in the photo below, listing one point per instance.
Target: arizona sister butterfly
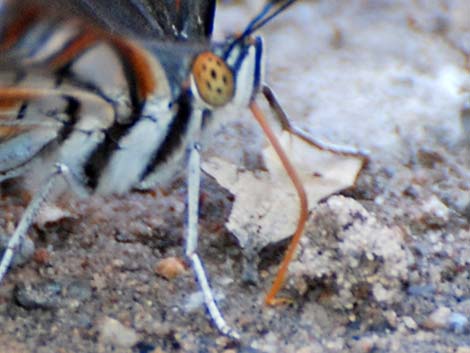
(109, 98)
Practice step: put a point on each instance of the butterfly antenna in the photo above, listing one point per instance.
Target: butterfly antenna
(267, 13)
(270, 11)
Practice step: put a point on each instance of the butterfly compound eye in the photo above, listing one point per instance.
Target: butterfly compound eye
(214, 79)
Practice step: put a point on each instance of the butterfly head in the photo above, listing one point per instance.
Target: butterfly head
(229, 74)
(233, 71)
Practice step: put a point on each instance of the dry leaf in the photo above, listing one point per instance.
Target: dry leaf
(266, 206)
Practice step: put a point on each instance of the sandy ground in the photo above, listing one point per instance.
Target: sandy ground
(383, 267)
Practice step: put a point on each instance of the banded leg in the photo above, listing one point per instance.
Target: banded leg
(18, 237)
(194, 176)
(10, 174)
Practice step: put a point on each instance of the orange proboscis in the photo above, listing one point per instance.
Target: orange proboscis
(281, 274)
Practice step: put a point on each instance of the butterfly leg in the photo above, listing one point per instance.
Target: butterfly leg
(194, 175)
(13, 173)
(18, 237)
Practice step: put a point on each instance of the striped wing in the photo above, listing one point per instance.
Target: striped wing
(163, 19)
(68, 87)
(35, 120)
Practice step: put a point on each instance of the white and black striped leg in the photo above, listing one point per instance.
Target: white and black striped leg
(18, 237)
(194, 176)
(10, 174)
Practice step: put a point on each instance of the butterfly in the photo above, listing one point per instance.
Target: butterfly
(109, 97)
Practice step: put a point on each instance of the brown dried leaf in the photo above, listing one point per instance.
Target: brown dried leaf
(266, 205)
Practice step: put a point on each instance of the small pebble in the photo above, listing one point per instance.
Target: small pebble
(458, 323)
(427, 290)
(42, 295)
(391, 317)
(170, 267)
(114, 333)
(435, 212)
(438, 319)
(52, 294)
(222, 341)
(410, 323)
(41, 256)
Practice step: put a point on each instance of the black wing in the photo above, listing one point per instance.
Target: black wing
(164, 19)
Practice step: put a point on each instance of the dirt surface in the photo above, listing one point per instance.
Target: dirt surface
(384, 267)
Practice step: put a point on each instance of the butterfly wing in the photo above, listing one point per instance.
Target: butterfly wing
(36, 117)
(163, 19)
(67, 74)
(41, 110)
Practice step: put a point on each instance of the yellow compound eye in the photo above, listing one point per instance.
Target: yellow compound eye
(214, 79)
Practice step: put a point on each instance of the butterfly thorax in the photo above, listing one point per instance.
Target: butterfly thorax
(203, 81)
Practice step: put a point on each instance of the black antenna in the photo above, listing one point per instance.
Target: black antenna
(264, 17)
(267, 13)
